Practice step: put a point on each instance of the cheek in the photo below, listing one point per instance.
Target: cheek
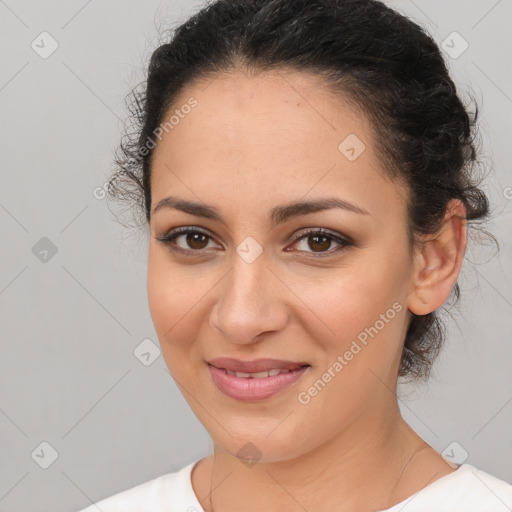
(364, 304)
(177, 302)
(160, 298)
(167, 307)
(168, 295)
(169, 289)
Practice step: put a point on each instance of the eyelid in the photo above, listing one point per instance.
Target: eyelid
(323, 231)
(343, 241)
(170, 236)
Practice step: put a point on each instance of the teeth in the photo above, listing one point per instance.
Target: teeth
(257, 375)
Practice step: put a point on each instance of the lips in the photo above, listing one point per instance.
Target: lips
(253, 386)
(256, 365)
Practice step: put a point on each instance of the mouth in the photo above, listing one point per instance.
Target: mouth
(256, 367)
(257, 375)
(255, 380)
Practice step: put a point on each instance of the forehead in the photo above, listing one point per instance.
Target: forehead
(286, 103)
(280, 132)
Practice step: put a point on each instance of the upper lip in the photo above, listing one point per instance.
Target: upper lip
(254, 366)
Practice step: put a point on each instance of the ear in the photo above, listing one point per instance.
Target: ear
(438, 260)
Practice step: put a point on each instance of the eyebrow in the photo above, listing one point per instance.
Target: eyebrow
(278, 214)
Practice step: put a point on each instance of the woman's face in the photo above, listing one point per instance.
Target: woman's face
(255, 284)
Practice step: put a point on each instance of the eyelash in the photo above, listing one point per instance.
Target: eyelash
(168, 239)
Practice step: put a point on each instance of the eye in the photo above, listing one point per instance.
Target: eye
(194, 240)
(318, 240)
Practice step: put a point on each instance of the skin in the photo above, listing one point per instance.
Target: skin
(253, 143)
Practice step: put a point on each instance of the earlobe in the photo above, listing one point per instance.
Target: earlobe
(438, 262)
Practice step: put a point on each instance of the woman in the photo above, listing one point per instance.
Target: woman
(304, 168)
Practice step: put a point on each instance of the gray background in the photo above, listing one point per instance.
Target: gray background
(70, 325)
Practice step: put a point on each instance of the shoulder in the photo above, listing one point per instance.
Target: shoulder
(484, 491)
(171, 492)
(463, 490)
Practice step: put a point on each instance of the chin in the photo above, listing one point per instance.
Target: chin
(260, 447)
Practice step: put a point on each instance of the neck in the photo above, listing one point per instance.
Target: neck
(359, 468)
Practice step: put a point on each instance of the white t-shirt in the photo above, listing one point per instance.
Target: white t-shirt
(466, 489)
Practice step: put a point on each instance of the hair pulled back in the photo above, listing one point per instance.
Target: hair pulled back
(372, 55)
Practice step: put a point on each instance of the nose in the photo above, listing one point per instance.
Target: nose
(250, 302)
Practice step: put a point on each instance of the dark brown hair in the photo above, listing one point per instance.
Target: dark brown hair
(372, 55)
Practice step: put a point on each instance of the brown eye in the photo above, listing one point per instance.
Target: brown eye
(319, 242)
(196, 240)
(186, 240)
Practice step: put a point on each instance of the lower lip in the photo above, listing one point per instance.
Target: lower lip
(250, 389)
